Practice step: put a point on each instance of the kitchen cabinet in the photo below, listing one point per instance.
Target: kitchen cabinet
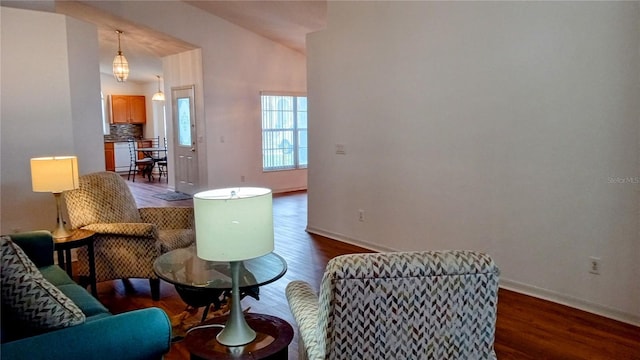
(109, 157)
(128, 109)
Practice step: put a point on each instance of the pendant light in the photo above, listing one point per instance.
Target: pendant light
(159, 96)
(120, 64)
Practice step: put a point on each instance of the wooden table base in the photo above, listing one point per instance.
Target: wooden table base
(272, 340)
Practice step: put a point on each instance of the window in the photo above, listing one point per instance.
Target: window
(184, 121)
(284, 132)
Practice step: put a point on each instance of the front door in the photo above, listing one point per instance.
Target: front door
(186, 156)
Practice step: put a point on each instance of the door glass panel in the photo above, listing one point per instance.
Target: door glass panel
(184, 122)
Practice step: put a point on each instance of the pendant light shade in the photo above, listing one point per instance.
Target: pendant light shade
(120, 63)
(159, 96)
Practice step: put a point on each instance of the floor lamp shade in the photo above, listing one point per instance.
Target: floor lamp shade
(233, 224)
(54, 174)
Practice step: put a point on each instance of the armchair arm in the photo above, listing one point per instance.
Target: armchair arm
(125, 229)
(168, 217)
(138, 334)
(38, 245)
(304, 306)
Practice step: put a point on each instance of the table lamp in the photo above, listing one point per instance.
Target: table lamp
(55, 174)
(234, 224)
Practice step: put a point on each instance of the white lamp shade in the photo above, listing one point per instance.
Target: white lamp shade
(159, 96)
(233, 224)
(54, 174)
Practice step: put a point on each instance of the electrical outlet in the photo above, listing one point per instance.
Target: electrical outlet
(242, 178)
(361, 215)
(594, 265)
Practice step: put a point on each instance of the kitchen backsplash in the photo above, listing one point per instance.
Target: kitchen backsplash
(123, 132)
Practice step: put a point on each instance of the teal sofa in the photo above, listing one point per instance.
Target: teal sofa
(139, 334)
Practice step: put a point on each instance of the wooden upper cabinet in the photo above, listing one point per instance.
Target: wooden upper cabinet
(137, 109)
(128, 109)
(119, 109)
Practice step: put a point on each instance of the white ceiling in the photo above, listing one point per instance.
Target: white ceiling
(286, 22)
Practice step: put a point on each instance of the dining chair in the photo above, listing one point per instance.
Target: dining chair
(159, 156)
(128, 239)
(136, 165)
(406, 305)
(162, 164)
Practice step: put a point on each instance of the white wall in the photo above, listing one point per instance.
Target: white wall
(50, 106)
(510, 127)
(237, 65)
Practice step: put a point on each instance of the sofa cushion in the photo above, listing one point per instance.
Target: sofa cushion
(29, 296)
(89, 305)
(55, 275)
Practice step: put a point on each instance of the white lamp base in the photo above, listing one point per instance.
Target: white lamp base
(60, 231)
(236, 331)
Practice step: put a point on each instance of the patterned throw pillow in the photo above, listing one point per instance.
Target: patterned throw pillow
(30, 296)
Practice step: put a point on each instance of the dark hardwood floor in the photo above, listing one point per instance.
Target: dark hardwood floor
(527, 327)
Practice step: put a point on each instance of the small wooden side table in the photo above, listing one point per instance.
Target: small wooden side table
(272, 340)
(78, 238)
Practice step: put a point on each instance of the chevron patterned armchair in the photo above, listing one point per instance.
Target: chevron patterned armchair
(405, 305)
(128, 239)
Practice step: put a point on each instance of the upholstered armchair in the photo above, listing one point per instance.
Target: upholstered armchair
(128, 239)
(411, 305)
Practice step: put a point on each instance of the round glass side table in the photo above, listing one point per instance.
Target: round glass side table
(203, 283)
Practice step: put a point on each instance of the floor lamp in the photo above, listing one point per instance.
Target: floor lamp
(55, 174)
(233, 225)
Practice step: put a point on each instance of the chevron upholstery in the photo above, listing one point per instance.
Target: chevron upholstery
(405, 305)
(128, 239)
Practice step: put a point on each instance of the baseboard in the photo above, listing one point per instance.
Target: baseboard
(348, 240)
(569, 301)
(287, 190)
(509, 284)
